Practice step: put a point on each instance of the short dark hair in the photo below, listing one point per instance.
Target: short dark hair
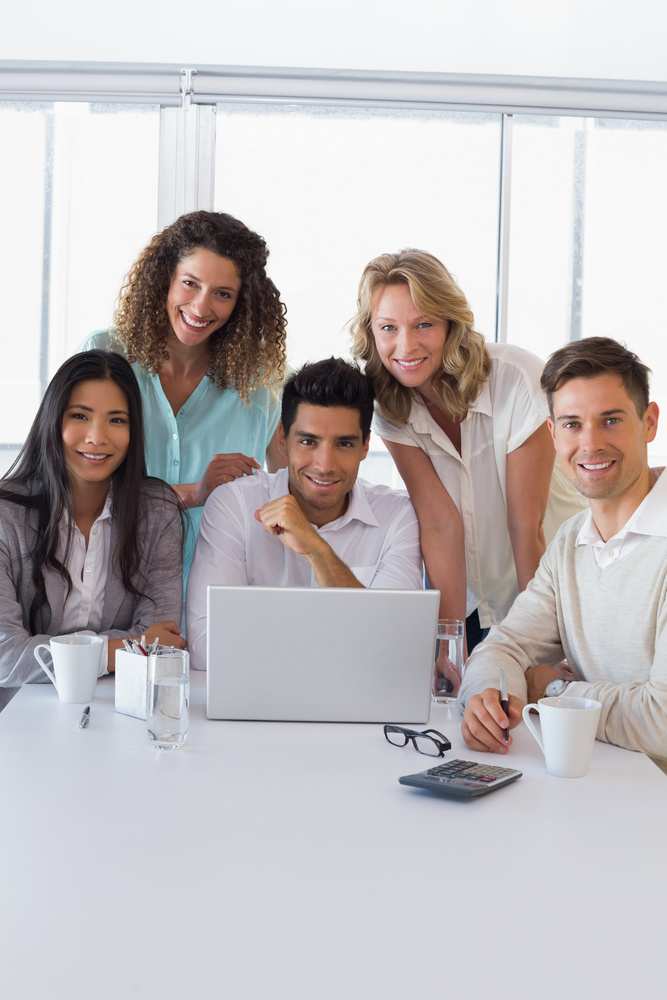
(332, 382)
(597, 356)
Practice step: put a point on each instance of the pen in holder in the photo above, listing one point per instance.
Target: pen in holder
(132, 683)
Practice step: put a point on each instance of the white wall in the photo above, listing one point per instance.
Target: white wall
(610, 39)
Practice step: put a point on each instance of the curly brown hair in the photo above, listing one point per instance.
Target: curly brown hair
(249, 350)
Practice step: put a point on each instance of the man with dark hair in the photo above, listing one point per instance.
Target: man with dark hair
(599, 597)
(313, 523)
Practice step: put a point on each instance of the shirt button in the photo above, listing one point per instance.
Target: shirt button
(84, 608)
(88, 569)
(176, 462)
(94, 531)
(175, 437)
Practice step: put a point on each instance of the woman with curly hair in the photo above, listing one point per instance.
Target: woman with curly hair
(465, 422)
(204, 329)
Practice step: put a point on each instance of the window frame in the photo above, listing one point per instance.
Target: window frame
(187, 98)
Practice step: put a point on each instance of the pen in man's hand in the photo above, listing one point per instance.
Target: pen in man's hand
(85, 717)
(504, 702)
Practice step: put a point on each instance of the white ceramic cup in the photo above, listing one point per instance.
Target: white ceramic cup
(568, 733)
(76, 664)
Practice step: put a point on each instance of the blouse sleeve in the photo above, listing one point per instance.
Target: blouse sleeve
(390, 430)
(519, 403)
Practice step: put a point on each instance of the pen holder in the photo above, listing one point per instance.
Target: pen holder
(131, 684)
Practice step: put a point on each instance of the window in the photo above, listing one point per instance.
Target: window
(78, 194)
(330, 188)
(587, 249)
(551, 219)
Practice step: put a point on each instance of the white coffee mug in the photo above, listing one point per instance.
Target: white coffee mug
(76, 663)
(568, 733)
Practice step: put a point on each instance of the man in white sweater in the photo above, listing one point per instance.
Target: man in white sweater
(599, 597)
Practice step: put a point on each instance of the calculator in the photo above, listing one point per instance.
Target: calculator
(462, 779)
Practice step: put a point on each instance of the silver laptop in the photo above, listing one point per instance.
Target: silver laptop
(320, 655)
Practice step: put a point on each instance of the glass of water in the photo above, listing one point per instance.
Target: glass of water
(168, 698)
(448, 669)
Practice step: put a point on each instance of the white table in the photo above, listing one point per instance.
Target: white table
(285, 860)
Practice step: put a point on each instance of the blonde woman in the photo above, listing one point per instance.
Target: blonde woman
(465, 422)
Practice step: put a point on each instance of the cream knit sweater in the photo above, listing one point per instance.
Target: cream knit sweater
(611, 626)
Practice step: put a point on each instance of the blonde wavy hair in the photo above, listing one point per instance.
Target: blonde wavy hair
(465, 359)
(249, 350)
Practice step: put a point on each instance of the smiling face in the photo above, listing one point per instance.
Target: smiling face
(324, 447)
(202, 295)
(601, 439)
(95, 431)
(410, 344)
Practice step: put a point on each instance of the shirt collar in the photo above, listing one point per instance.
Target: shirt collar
(483, 402)
(651, 515)
(108, 503)
(358, 508)
(104, 515)
(650, 518)
(588, 533)
(65, 521)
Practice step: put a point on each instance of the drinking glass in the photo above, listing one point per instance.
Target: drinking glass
(448, 669)
(168, 698)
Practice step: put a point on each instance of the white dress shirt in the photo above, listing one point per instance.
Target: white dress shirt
(377, 538)
(509, 408)
(88, 568)
(650, 518)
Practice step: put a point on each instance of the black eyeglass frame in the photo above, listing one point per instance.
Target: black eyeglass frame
(442, 743)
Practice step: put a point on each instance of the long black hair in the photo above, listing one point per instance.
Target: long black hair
(39, 479)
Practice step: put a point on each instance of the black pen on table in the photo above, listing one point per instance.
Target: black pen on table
(504, 702)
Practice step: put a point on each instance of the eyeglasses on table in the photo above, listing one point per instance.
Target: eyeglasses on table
(423, 742)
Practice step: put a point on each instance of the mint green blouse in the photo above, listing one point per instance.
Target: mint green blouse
(211, 421)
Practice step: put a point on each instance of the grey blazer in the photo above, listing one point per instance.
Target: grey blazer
(160, 579)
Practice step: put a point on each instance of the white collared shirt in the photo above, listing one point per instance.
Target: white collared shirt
(650, 518)
(510, 407)
(88, 568)
(377, 538)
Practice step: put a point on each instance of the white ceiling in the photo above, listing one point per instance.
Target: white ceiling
(610, 39)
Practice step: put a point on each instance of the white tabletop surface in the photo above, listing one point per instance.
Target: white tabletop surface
(285, 860)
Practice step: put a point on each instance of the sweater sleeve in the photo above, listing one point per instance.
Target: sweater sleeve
(612, 627)
(17, 646)
(529, 634)
(634, 712)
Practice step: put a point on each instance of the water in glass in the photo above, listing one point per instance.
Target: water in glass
(168, 711)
